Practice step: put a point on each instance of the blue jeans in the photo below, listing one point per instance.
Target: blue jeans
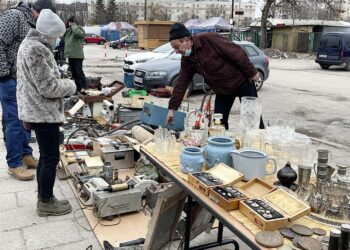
(47, 136)
(17, 138)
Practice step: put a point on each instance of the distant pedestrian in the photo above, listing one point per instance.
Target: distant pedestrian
(40, 93)
(74, 51)
(14, 26)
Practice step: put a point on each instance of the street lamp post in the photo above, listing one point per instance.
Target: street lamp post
(145, 11)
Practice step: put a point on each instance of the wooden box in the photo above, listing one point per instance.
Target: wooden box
(254, 188)
(221, 172)
(284, 203)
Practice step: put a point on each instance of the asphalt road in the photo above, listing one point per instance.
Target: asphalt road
(297, 90)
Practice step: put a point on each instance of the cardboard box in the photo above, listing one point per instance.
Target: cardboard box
(289, 206)
(220, 172)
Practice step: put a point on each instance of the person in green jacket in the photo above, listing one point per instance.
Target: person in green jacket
(73, 50)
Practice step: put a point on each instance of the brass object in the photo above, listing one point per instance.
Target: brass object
(269, 239)
(302, 230)
(308, 243)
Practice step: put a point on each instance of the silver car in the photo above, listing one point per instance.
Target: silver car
(164, 72)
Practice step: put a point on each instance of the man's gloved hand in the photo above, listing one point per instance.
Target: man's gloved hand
(170, 116)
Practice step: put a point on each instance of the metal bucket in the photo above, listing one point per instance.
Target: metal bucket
(125, 115)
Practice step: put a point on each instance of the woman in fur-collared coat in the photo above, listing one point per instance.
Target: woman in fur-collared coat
(40, 93)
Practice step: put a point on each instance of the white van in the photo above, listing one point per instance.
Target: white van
(132, 61)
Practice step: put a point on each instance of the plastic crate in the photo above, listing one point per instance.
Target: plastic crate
(129, 80)
(136, 92)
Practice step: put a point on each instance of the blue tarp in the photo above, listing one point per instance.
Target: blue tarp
(114, 30)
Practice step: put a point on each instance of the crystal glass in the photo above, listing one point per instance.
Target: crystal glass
(250, 113)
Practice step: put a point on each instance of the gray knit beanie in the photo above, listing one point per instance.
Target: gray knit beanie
(39, 5)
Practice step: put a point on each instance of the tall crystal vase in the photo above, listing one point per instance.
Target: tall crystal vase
(250, 113)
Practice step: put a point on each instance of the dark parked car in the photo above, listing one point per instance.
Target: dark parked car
(334, 50)
(164, 72)
(125, 41)
(93, 38)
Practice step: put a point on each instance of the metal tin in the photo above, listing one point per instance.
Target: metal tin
(345, 236)
(334, 239)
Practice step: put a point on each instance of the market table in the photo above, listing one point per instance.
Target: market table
(236, 222)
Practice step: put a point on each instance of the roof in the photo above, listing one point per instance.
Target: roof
(274, 22)
(211, 23)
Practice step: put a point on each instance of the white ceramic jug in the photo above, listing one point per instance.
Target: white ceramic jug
(252, 163)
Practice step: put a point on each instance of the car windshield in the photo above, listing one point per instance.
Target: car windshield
(330, 42)
(165, 48)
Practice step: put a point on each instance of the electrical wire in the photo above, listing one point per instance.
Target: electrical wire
(76, 220)
(121, 126)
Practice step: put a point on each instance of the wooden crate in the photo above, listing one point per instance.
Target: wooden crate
(252, 189)
(221, 171)
(283, 202)
(227, 204)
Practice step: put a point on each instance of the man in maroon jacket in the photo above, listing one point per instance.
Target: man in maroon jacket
(224, 65)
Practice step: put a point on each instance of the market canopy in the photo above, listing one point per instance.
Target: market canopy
(118, 26)
(208, 25)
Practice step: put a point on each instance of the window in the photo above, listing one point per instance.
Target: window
(330, 42)
(250, 50)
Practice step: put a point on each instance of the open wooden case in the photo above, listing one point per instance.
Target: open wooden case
(223, 174)
(252, 189)
(284, 208)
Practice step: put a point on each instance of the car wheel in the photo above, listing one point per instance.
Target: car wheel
(101, 43)
(347, 66)
(84, 42)
(259, 83)
(324, 66)
(119, 46)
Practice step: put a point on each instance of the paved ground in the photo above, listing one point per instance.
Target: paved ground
(21, 228)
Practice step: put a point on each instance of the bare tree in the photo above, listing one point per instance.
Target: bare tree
(216, 10)
(79, 10)
(331, 7)
(158, 12)
(126, 13)
(183, 17)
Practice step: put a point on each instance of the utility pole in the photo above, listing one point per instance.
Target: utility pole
(145, 11)
(232, 9)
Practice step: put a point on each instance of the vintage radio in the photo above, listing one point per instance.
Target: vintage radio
(274, 210)
(219, 175)
(228, 197)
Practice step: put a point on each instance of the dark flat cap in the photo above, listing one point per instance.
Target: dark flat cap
(178, 31)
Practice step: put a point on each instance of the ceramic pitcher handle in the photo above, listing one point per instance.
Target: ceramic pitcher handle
(315, 164)
(274, 167)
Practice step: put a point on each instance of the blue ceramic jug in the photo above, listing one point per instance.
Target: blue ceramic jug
(218, 150)
(191, 160)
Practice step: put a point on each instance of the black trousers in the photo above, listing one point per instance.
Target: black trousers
(47, 135)
(76, 67)
(223, 103)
